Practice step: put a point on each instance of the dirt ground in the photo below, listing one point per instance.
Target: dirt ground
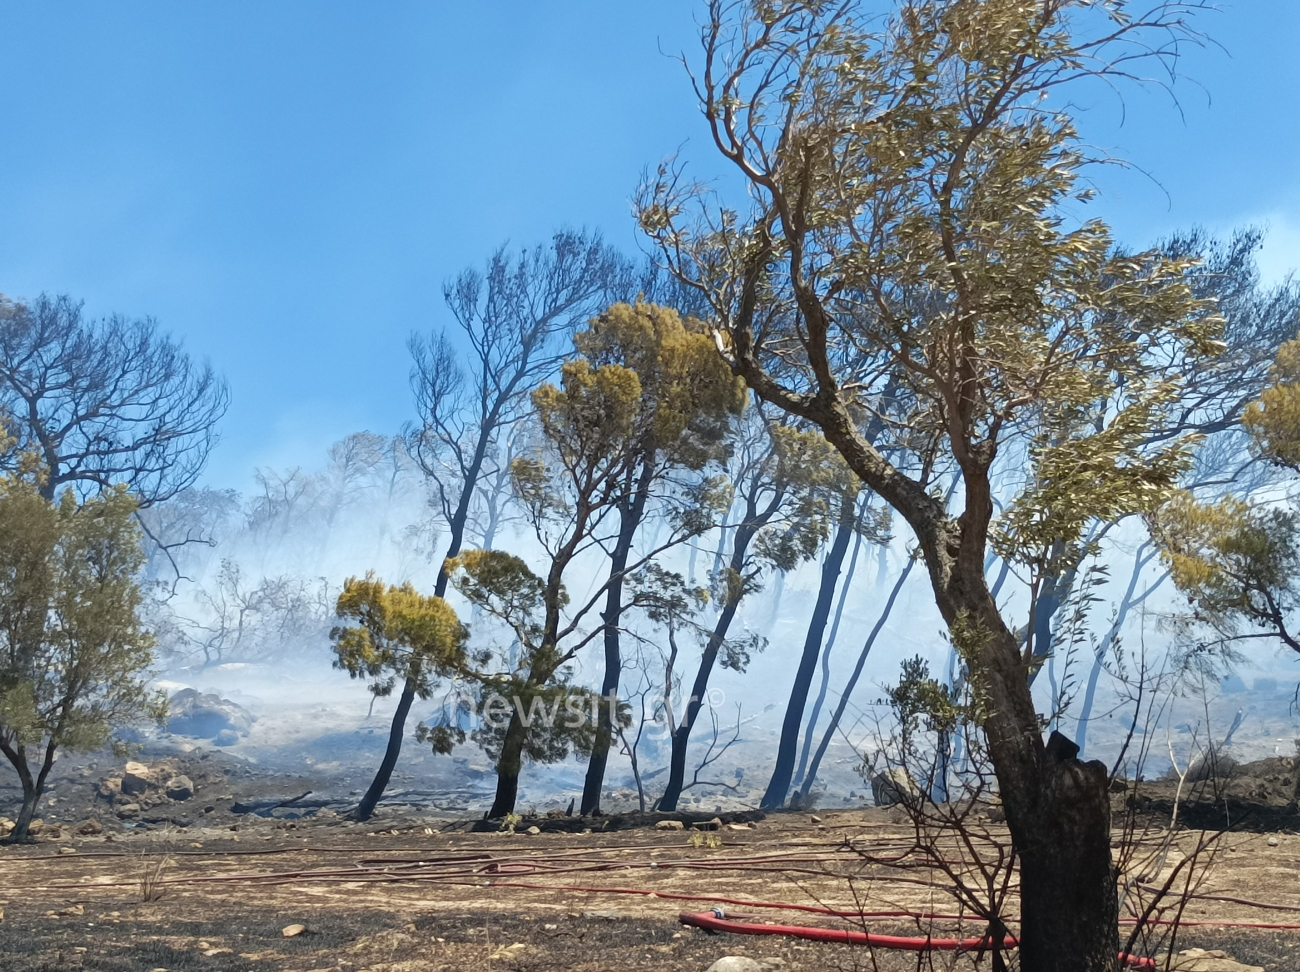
(401, 894)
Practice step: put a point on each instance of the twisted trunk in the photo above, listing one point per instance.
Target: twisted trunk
(33, 786)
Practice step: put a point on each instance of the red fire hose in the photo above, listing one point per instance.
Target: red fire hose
(716, 920)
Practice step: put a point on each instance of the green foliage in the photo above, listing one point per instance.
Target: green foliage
(907, 243)
(397, 634)
(559, 716)
(689, 395)
(504, 586)
(1273, 421)
(588, 423)
(919, 700)
(74, 656)
(1233, 561)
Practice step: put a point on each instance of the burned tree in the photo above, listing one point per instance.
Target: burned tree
(515, 319)
(682, 425)
(106, 402)
(780, 475)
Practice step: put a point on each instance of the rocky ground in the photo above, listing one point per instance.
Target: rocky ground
(201, 851)
(424, 892)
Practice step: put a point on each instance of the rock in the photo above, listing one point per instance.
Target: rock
(1202, 960)
(129, 810)
(35, 827)
(325, 813)
(206, 716)
(179, 788)
(670, 825)
(533, 830)
(76, 911)
(226, 737)
(110, 788)
(739, 826)
(89, 828)
(1273, 842)
(815, 819)
(893, 786)
(714, 824)
(292, 931)
(67, 850)
(6, 825)
(742, 963)
(135, 779)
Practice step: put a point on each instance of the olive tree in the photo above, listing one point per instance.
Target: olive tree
(910, 182)
(74, 655)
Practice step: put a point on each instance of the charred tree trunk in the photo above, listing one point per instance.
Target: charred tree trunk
(829, 734)
(1057, 807)
(366, 808)
(630, 515)
(509, 766)
(816, 712)
(33, 787)
(1126, 604)
(779, 785)
(1069, 911)
(699, 690)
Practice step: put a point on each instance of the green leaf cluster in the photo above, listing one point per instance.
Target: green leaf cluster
(74, 654)
(395, 634)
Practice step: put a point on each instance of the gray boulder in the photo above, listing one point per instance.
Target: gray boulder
(180, 788)
(893, 786)
(205, 716)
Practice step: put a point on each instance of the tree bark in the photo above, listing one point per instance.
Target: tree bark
(1069, 911)
(1058, 812)
(779, 785)
(33, 787)
(508, 768)
(366, 808)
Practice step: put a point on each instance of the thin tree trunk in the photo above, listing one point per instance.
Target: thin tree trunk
(829, 734)
(682, 734)
(1126, 604)
(630, 516)
(779, 785)
(508, 767)
(778, 589)
(33, 787)
(826, 664)
(366, 808)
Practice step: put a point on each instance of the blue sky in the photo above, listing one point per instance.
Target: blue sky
(285, 185)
